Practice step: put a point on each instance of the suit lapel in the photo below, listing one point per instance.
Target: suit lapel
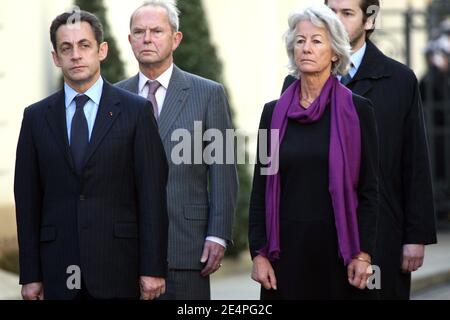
(175, 100)
(371, 69)
(107, 113)
(56, 118)
(133, 84)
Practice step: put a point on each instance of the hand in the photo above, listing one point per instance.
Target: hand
(263, 273)
(33, 291)
(412, 258)
(152, 287)
(212, 255)
(359, 271)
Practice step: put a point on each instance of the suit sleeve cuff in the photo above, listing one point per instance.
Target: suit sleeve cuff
(220, 241)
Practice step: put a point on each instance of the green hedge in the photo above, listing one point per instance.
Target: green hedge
(9, 261)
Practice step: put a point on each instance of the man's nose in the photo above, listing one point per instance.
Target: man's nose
(147, 36)
(76, 53)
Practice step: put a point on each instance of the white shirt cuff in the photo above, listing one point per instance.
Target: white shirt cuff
(220, 241)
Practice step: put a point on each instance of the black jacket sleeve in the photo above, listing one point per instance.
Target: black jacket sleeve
(151, 172)
(368, 188)
(28, 196)
(257, 214)
(419, 223)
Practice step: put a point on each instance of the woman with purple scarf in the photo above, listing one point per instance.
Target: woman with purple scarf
(314, 204)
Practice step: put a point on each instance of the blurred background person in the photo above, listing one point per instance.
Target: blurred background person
(435, 92)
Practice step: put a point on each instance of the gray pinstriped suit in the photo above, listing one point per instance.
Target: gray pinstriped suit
(201, 198)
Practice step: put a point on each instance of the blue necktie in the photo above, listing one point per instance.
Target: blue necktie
(345, 80)
(79, 133)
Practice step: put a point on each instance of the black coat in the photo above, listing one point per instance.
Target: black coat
(112, 220)
(406, 198)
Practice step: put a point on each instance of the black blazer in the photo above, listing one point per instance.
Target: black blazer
(406, 198)
(367, 189)
(112, 220)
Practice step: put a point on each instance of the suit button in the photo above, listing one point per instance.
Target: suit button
(82, 198)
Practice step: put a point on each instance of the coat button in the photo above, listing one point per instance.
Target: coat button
(82, 198)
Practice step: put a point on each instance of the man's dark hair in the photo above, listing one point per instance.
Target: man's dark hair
(369, 9)
(73, 18)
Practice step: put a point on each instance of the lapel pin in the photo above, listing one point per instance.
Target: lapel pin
(111, 114)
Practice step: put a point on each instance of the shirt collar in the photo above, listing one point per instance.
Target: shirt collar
(163, 79)
(358, 56)
(94, 93)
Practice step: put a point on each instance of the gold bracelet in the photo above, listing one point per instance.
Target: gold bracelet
(363, 260)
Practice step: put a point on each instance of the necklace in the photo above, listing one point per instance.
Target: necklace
(309, 102)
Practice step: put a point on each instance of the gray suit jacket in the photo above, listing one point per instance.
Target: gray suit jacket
(201, 198)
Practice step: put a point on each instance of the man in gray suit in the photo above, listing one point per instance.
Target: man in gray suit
(201, 197)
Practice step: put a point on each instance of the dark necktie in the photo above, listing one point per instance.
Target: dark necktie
(79, 133)
(153, 86)
(345, 80)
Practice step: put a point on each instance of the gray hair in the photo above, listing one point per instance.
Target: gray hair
(322, 17)
(170, 6)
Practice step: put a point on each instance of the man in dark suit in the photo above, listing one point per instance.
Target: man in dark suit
(406, 221)
(90, 182)
(201, 195)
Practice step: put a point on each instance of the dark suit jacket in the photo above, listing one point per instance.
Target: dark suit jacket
(112, 220)
(407, 209)
(367, 188)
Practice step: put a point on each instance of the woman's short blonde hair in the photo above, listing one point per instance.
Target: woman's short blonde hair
(322, 17)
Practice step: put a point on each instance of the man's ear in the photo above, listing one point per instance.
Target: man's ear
(178, 36)
(56, 59)
(103, 51)
(370, 23)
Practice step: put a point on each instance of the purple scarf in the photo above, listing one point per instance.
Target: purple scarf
(344, 163)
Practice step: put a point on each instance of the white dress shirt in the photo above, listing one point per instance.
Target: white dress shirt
(90, 108)
(356, 60)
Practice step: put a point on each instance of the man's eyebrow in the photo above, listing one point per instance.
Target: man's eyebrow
(67, 43)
